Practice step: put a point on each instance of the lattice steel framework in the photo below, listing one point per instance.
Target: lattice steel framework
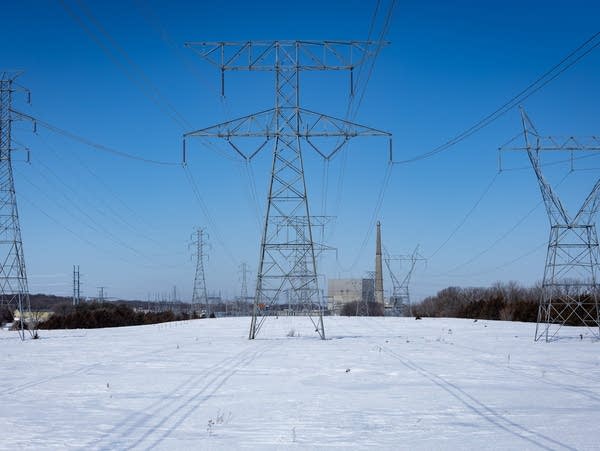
(287, 261)
(14, 291)
(399, 304)
(569, 287)
(199, 295)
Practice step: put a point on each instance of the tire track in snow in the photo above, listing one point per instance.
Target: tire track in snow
(528, 374)
(475, 405)
(82, 370)
(480, 408)
(204, 395)
(553, 368)
(174, 401)
(35, 383)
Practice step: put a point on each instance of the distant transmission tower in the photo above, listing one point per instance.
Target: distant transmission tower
(101, 294)
(379, 299)
(76, 286)
(287, 262)
(14, 291)
(199, 295)
(400, 304)
(569, 288)
(244, 290)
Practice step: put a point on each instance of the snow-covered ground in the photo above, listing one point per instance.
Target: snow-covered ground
(378, 383)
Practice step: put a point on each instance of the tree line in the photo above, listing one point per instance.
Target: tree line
(502, 301)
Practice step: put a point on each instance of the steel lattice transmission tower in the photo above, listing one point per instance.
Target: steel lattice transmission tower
(287, 264)
(14, 291)
(399, 304)
(569, 287)
(241, 304)
(199, 295)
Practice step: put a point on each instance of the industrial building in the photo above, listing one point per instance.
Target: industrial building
(343, 291)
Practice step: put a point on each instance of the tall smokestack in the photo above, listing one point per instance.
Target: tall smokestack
(378, 269)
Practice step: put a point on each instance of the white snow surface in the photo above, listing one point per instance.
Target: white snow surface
(375, 383)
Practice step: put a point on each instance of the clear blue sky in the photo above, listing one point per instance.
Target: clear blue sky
(111, 71)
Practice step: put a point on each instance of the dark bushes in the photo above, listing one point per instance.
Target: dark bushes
(362, 309)
(94, 315)
(6, 315)
(508, 302)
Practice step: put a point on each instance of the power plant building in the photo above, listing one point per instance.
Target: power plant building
(344, 291)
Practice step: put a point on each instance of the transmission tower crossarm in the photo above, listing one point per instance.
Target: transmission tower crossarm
(261, 55)
(309, 125)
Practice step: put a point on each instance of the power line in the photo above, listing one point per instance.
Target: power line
(501, 237)
(467, 215)
(350, 116)
(101, 181)
(531, 89)
(130, 70)
(373, 220)
(91, 222)
(207, 215)
(92, 144)
(510, 262)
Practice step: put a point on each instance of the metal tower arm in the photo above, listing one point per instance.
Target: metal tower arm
(267, 55)
(309, 125)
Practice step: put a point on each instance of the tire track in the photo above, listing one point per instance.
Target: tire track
(481, 409)
(82, 370)
(174, 400)
(204, 395)
(475, 405)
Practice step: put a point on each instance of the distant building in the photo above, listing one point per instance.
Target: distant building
(344, 291)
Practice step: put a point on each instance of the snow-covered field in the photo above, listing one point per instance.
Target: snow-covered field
(378, 383)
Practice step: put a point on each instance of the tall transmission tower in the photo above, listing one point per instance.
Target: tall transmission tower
(199, 295)
(287, 263)
(400, 304)
(76, 285)
(569, 287)
(14, 290)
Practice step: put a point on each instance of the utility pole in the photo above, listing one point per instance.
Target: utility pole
(570, 284)
(76, 286)
(199, 295)
(287, 262)
(14, 290)
(101, 294)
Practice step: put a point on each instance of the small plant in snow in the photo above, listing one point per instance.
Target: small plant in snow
(293, 333)
(220, 418)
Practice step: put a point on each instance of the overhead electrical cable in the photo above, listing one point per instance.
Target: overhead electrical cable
(92, 144)
(466, 216)
(110, 209)
(350, 115)
(502, 237)
(131, 70)
(204, 209)
(567, 62)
